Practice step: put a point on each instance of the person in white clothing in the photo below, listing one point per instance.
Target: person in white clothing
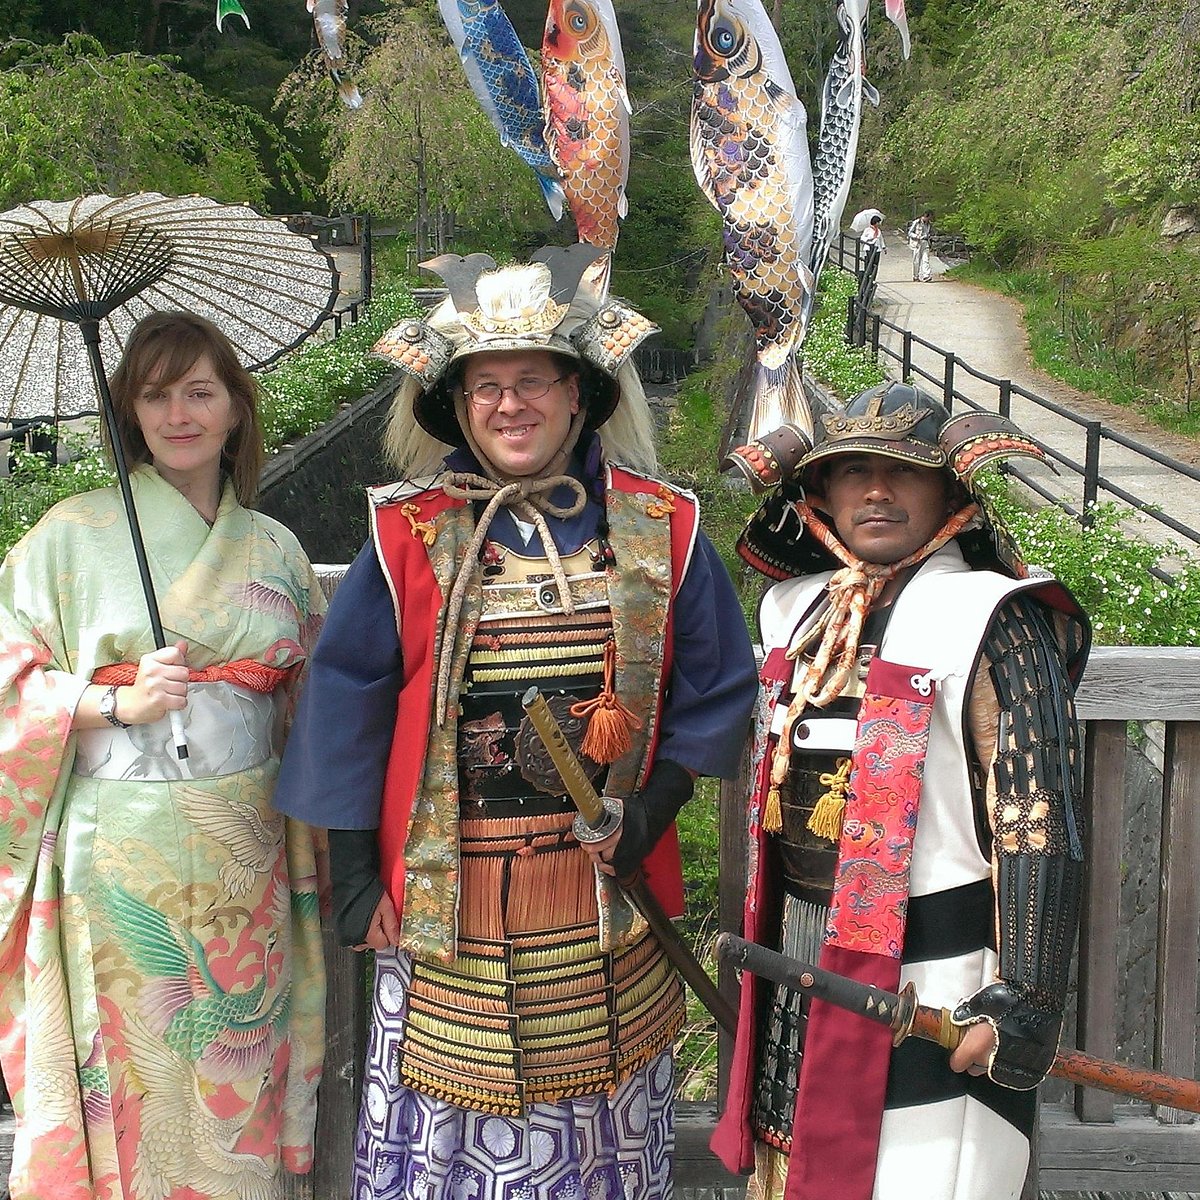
(871, 238)
(920, 231)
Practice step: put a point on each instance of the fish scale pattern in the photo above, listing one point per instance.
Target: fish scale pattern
(511, 83)
(587, 117)
(740, 162)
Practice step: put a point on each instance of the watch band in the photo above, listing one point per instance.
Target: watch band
(108, 708)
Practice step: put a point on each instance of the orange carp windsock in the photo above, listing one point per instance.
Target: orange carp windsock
(749, 147)
(587, 113)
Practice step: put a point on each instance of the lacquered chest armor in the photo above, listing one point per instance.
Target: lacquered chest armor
(525, 638)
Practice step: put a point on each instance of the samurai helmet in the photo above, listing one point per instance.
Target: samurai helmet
(896, 420)
(553, 303)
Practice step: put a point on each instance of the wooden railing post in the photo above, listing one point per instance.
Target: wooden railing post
(1104, 804)
(1091, 475)
(1178, 911)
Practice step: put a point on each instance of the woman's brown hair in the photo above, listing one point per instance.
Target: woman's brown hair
(163, 347)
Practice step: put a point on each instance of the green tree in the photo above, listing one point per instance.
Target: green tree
(421, 140)
(79, 120)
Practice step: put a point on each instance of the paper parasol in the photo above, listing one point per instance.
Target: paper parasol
(863, 219)
(76, 276)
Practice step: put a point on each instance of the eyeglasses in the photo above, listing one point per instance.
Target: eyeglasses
(485, 395)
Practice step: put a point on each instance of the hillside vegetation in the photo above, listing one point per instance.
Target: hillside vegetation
(1062, 140)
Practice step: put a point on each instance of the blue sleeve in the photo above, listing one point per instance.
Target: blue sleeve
(337, 751)
(714, 678)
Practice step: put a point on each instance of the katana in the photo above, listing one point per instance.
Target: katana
(905, 1017)
(592, 809)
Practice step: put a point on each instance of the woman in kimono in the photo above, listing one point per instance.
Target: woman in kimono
(161, 980)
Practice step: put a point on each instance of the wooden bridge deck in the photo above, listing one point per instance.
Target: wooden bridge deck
(698, 1175)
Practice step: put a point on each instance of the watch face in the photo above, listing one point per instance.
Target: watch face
(108, 707)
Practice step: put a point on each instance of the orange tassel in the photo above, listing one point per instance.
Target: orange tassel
(661, 507)
(610, 723)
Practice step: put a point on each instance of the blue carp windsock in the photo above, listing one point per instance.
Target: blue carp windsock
(841, 115)
(502, 78)
(750, 156)
(329, 21)
(587, 113)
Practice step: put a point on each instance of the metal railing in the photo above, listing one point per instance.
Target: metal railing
(865, 328)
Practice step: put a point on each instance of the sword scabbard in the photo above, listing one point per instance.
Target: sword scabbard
(905, 1016)
(590, 805)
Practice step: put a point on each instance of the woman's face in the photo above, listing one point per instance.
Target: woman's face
(519, 437)
(185, 424)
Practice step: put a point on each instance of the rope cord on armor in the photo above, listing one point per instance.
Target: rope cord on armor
(850, 594)
(527, 498)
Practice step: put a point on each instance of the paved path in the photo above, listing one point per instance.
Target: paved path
(985, 330)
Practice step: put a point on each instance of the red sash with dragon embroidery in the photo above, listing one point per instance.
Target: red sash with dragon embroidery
(835, 1131)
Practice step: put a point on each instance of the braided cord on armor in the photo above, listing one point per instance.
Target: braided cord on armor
(1033, 806)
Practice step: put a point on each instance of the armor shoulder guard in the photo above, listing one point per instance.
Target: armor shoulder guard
(403, 490)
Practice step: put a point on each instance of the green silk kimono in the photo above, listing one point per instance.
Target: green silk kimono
(161, 976)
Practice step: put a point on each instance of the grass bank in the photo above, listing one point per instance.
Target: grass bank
(1074, 343)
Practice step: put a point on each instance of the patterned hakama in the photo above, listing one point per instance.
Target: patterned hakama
(413, 1147)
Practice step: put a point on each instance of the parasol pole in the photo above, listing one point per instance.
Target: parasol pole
(90, 328)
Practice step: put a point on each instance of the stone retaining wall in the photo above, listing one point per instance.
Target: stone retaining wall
(316, 486)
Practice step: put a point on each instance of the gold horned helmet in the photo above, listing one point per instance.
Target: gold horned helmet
(557, 302)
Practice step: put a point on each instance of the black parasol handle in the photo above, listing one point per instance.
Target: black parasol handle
(90, 328)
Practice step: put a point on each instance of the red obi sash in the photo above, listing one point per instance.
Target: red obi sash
(245, 672)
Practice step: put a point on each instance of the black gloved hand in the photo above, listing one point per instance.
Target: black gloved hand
(649, 812)
(1027, 1039)
(357, 888)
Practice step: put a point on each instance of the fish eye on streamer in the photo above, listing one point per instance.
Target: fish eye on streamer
(724, 38)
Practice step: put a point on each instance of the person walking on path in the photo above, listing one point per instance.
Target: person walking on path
(523, 1015)
(914, 823)
(920, 232)
(872, 236)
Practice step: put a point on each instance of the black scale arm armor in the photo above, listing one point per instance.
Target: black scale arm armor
(1037, 830)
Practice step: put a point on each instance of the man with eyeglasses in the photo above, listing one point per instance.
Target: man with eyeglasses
(524, 1016)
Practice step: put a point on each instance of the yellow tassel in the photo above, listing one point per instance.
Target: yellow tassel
(610, 723)
(772, 820)
(826, 818)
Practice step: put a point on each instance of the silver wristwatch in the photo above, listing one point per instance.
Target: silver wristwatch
(108, 708)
